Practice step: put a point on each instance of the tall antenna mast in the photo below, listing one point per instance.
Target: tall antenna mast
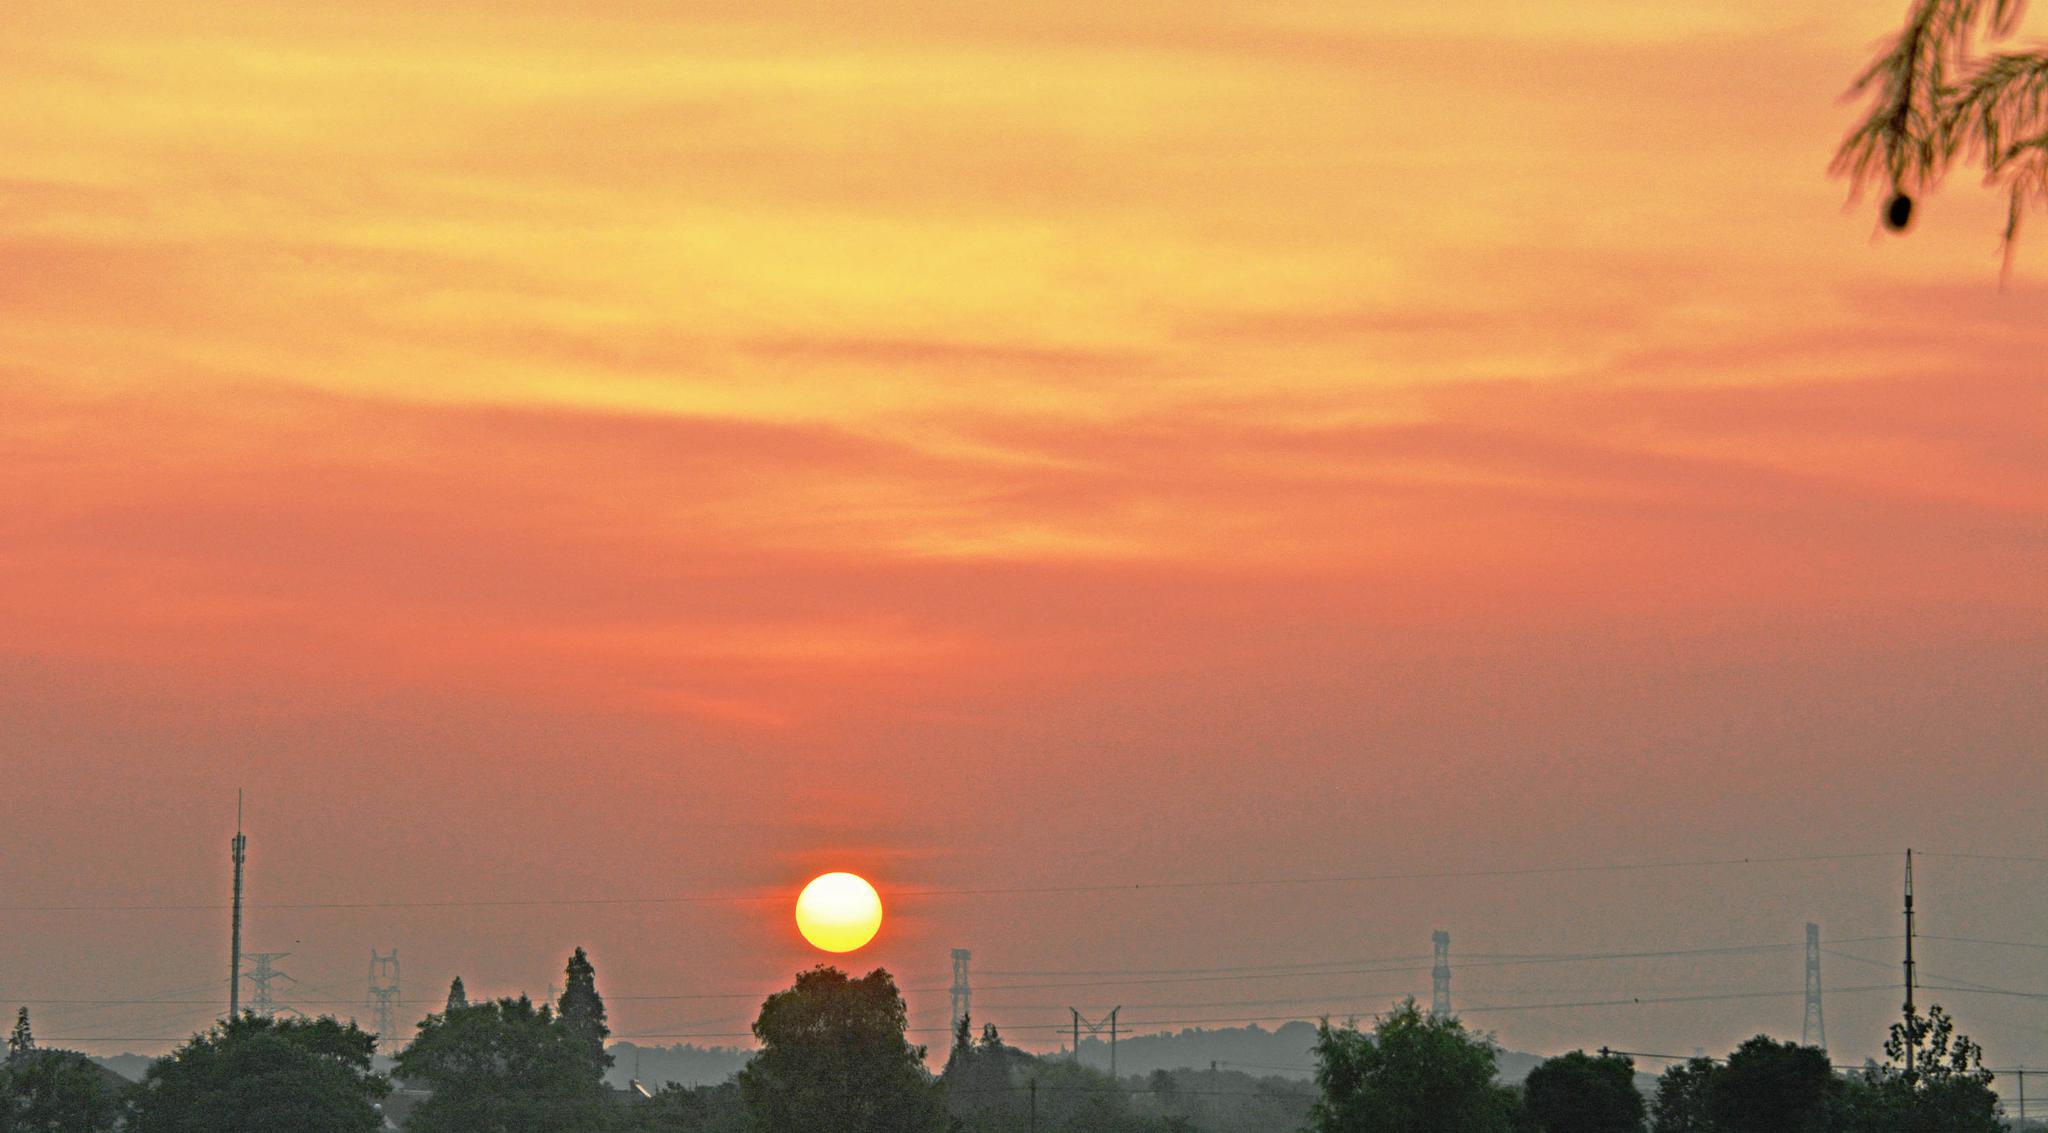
(241, 852)
(1912, 1039)
(1813, 1032)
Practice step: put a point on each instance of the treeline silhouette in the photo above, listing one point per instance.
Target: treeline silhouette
(833, 1057)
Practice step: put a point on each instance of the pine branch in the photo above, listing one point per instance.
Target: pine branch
(1919, 121)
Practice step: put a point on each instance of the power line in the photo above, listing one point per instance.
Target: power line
(913, 894)
(1305, 964)
(1967, 985)
(1367, 966)
(1372, 968)
(1988, 991)
(1994, 943)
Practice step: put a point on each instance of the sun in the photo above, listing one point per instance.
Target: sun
(839, 912)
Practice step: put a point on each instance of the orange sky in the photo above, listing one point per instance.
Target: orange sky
(673, 448)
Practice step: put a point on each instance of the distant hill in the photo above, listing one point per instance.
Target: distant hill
(686, 1065)
(129, 1066)
(1255, 1050)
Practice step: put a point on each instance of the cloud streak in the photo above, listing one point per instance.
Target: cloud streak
(744, 434)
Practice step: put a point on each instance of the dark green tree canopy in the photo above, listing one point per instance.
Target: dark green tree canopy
(503, 1067)
(987, 1084)
(1582, 1093)
(1948, 1090)
(689, 1109)
(833, 1056)
(1683, 1102)
(963, 1045)
(1412, 1073)
(1772, 1087)
(257, 1075)
(53, 1091)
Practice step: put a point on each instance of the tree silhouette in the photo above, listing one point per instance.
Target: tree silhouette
(506, 1066)
(688, 1109)
(20, 1041)
(57, 1091)
(962, 1055)
(581, 1011)
(1582, 1093)
(1684, 1094)
(1947, 1091)
(1934, 100)
(1412, 1073)
(1772, 1087)
(52, 1091)
(833, 1056)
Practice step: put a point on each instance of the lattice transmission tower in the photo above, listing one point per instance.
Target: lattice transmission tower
(1814, 1032)
(1440, 976)
(263, 972)
(383, 992)
(962, 992)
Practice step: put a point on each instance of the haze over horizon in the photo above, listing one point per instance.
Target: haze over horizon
(567, 456)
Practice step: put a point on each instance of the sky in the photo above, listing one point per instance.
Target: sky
(585, 469)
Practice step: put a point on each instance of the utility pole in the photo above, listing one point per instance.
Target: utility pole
(261, 974)
(1912, 1028)
(1034, 1106)
(1440, 977)
(1112, 1040)
(1813, 1032)
(240, 848)
(961, 990)
(383, 992)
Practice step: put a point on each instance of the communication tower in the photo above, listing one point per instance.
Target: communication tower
(239, 848)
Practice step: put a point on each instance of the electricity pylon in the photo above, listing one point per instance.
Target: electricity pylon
(262, 973)
(1107, 1023)
(1814, 1032)
(961, 991)
(383, 991)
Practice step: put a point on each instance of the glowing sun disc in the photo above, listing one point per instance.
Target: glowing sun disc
(839, 912)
